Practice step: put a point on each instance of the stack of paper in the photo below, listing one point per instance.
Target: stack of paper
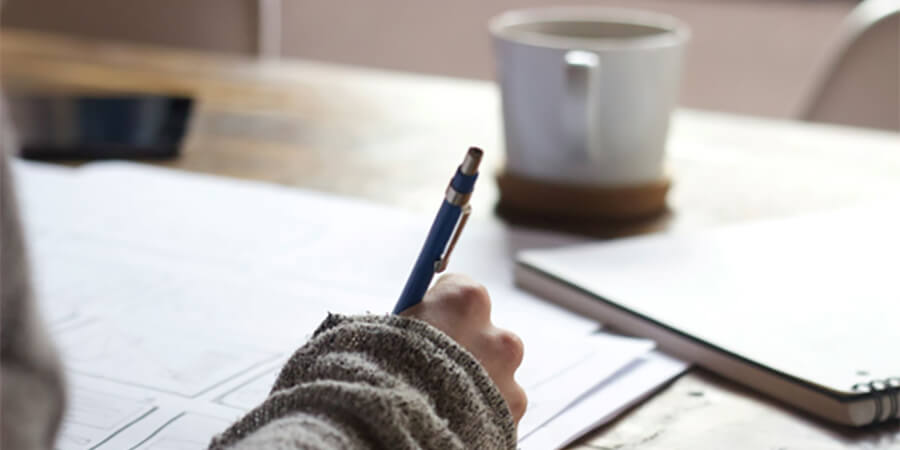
(176, 298)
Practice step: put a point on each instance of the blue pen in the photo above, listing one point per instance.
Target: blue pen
(452, 216)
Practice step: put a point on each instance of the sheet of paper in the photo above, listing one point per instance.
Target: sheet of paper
(94, 414)
(561, 383)
(186, 293)
(605, 401)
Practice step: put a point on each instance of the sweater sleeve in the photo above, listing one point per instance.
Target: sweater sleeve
(32, 394)
(377, 382)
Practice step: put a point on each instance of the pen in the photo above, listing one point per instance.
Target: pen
(452, 216)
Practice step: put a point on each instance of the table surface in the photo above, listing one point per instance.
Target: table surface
(390, 137)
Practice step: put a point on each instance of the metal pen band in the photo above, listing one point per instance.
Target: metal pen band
(456, 198)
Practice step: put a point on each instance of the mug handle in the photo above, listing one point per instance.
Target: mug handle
(577, 112)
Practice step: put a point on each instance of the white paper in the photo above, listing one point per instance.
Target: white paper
(187, 430)
(187, 293)
(599, 406)
(94, 414)
(565, 382)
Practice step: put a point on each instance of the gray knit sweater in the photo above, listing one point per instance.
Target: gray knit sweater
(31, 387)
(374, 382)
(369, 382)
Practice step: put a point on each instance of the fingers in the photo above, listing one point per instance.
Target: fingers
(501, 351)
(457, 306)
(510, 348)
(461, 297)
(502, 355)
(516, 400)
(460, 307)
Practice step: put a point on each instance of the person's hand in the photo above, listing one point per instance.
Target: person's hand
(461, 308)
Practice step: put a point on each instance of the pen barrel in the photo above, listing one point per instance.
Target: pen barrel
(424, 268)
(463, 183)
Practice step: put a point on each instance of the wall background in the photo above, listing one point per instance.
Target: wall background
(756, 57)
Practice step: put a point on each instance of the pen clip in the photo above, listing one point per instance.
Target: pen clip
(441, 264)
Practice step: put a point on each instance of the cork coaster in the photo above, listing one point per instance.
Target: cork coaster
(522, 196)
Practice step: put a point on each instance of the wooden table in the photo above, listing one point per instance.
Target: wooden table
(390, 137)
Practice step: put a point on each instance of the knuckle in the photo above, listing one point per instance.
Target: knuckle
(473, 299)
(511, 347)
(474, 291)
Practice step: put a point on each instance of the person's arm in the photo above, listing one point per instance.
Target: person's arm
(32, 395)
(439, 376)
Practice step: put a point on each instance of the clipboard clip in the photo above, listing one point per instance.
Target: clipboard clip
(441, 264)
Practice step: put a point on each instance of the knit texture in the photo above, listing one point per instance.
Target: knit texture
(377, 382)
(31, 383)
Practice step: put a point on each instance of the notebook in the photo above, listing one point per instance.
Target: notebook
(806, 310)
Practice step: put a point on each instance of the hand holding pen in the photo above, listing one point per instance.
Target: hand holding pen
(457, 305)
(461, 308)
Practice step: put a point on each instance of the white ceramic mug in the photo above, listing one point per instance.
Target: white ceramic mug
(587, 92)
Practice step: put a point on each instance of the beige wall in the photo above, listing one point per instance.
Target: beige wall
(220, 25)
(747, 56)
